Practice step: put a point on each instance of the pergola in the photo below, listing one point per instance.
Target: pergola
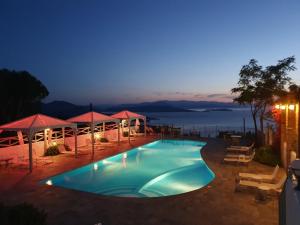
(35, 123)
(93, 118)
(129, 116)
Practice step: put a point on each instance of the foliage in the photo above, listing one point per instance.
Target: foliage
(267, 155)
(20, 94)
(259, 87)
(52, 150)
(22, 214)
(104, 140)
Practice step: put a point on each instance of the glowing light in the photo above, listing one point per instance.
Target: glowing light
(54, 143)
(139, 148)
(125, 155)
(277, 106)
(282, 107)
(97, 136)
(95, 166)
(291, 107)
(47, 129)
(49, 182)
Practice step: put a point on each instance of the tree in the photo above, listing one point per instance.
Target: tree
(20, 94)
(271, 85)
(249, 76)
(259, 88)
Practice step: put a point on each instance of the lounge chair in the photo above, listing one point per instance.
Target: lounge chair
(262, 185)
(135, 134)
(260, 177)
(244, 149)
(244, 159)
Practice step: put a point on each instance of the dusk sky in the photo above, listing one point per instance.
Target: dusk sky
(133, 51)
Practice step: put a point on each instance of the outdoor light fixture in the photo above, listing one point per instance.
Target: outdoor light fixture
(49, 182)
(54, 143)
(95, 166)
(282, 107)
(291, 107)
(97, 136)
(277, 106)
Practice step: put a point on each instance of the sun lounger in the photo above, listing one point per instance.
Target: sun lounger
(243, 149)
(260, 177)
(239, 158)
(262, 185)
(135, 134)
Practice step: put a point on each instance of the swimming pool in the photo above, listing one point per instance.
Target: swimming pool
(160, 168)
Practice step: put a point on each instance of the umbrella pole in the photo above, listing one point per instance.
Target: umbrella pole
(92, 138)
(118, 133)
(76, 150)
(129, 130)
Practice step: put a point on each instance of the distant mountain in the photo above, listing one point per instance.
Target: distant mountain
(148, 107)
(64, 110)
(199, 104)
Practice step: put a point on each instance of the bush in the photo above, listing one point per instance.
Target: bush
(125, 134)
(104, 140)
(51, 151)
(266, 155)
(22, 214)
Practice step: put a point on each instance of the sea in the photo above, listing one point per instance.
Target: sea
(208, 122)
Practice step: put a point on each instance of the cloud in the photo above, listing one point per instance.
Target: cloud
(216, 95)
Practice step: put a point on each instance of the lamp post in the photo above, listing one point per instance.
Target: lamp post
(287, 108)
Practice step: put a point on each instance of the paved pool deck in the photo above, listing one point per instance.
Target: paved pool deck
(215, 204)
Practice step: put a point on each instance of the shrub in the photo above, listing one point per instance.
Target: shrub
(266, 155)
(125, 134)
(22, 214)
(51, 151)
(104, 140)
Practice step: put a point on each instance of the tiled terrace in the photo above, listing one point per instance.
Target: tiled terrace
(215, 204)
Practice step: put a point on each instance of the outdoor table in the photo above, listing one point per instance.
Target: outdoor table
(6, 160)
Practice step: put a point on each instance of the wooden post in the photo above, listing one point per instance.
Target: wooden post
(118, 132)
(92, 138)
(75, 136)
(63, 134)
(30, 151)
(20, 137)
(103, 129)
(128, 130)
(45, 140)
(50, 136)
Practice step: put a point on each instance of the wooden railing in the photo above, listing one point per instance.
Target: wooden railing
(56, 134)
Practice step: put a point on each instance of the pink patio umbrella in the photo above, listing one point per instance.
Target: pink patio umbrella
(93, 118)
(127, 115)
(38, 122)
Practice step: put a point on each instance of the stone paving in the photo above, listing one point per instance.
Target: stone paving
(215, 204)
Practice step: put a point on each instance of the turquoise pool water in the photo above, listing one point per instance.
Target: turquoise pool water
(160, 168)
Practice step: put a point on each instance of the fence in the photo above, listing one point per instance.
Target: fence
(203, 131)
(55, 135)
